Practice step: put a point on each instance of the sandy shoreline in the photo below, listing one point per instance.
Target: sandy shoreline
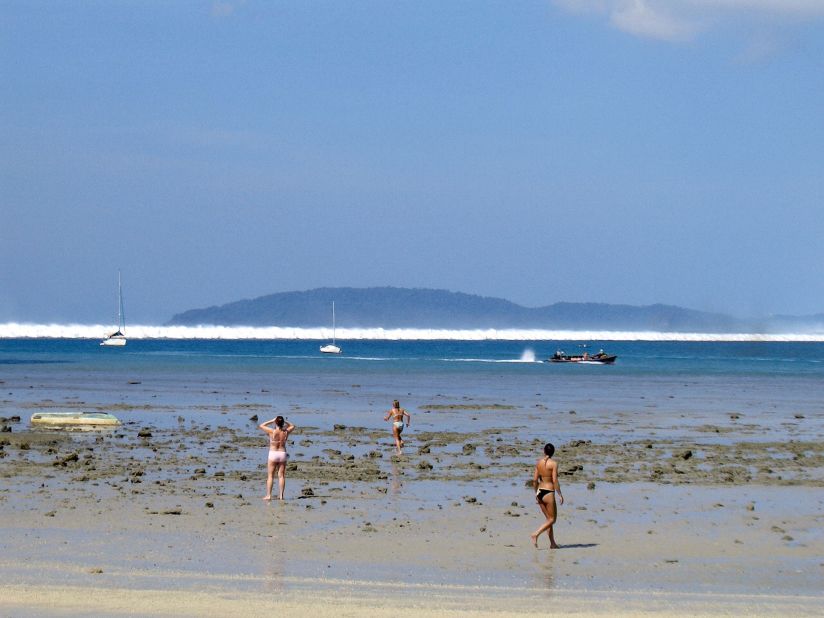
(163, 515)
(357, 599)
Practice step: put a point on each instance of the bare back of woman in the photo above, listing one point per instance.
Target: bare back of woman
(545, 483)
(277, 440)
(398, 415)
(276, 462)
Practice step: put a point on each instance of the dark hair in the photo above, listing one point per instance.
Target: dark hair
(279, 422)
(549, 449)
(396, 404)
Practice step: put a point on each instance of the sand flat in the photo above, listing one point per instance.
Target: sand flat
(626, 549)
(164, 516)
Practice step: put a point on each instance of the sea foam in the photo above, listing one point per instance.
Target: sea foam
(13, 330)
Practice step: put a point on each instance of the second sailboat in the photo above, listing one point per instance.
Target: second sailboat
(331, 348)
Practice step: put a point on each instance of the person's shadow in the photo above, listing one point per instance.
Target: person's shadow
(577, 546)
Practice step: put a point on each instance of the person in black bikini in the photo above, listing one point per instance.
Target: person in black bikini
(545, 483)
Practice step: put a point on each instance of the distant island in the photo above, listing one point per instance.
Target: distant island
(391, 307)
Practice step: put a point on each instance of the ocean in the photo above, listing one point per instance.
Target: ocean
(749, 414)
(445, 383)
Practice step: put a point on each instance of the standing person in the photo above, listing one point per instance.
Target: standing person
(545, 483)
(397, 414)
(277, 453)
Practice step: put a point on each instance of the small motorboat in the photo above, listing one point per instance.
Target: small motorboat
(601, 358)
(74, 419)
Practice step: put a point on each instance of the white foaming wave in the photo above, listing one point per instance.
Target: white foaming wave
(486, 360)
(17, 330)
(527, 356)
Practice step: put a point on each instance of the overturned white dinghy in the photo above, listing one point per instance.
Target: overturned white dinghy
(74, 419)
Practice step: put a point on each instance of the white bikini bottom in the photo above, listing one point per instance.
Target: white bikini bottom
(278, 456)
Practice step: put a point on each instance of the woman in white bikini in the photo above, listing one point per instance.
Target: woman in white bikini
(545, 483)
(277, 453)
(397, 414)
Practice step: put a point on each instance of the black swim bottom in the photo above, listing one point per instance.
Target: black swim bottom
(539, 495)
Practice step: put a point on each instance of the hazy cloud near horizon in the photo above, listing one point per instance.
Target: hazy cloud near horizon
(683, 20)
(542, 151)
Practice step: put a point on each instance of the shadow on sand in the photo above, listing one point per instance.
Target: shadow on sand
(578, 546)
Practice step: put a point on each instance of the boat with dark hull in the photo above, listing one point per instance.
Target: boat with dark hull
(601, 358)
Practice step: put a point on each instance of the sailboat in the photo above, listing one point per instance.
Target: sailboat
(331, 348)
(117, 337)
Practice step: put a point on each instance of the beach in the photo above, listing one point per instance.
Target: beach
(593, 225)
(678, 501)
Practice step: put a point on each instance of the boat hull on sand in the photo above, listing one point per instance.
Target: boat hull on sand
(74, 419)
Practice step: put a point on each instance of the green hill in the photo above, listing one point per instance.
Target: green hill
(389, 307)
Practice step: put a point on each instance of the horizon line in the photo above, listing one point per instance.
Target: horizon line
(16, 330)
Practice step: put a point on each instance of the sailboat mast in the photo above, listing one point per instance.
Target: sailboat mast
(120, 317)
(333, 322)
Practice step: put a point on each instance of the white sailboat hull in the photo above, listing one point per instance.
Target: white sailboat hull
(114, 340)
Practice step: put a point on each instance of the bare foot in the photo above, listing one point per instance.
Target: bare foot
(267, 498)
(534, 538)
(554, 546)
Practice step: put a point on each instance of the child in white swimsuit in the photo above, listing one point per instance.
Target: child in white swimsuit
(397, 414)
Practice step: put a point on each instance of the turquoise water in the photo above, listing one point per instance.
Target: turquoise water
(653, 385)
(635, 358)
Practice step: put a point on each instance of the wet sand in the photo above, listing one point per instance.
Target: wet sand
(724, 521)
(353, 599)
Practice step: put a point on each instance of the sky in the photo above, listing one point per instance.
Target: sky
(619, 151)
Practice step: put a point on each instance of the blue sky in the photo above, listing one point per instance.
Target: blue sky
(622, 151)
